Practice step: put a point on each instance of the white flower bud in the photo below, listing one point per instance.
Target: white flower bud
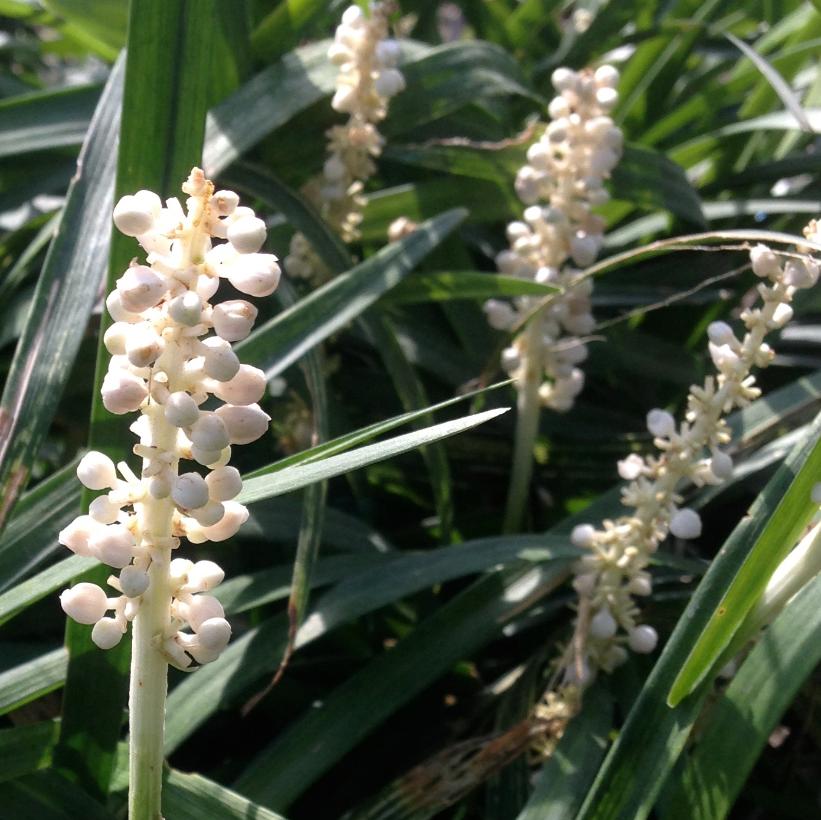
(244, 424)
(143, 346)
(256, 274)
(583, 249)
(202, 608)
(765, 263)
(235, 516)
(233, 319)
(685, 523)
(606, 75)
(78, 533)
(642, 639)
(85, 603)
(224, 483)
(721, 333)
(159, 486)
(389, 82)
(388, 52)
(118, 313)
(190, 491)
(107, 633)
(660, 423)
(186, 309)
(210, 433)
(115, 338)
(140, 288)
(603, 625)
(181, 410)
(334, 169)
(631, 467)
(123, 392)
(640, 584)
(224, 202)
(103, 510)
(607, 97)
(782, 314)
(247, 234)
(585, 583)
(583, 535)
(221, 363)
(500, 315)
(113, 545)
(133, 216)
(178, 571)
(205, 457)
(204, 575)
(214, 634)
(247, 387)
(721, 464)
(563, 79)
(96, 471)
(209, 514)
(133, 581)
(800, 273)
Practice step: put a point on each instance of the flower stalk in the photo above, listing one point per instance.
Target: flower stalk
(171, 351)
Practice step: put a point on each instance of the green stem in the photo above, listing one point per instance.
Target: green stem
(527, 426)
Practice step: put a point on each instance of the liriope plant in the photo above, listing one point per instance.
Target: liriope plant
(558, 236)
(367, 57)
(171, 356)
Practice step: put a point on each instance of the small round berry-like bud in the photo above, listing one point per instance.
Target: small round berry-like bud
(388, 52)
(133, 581)
(640, 584)
(721, 464)
(389, 82)
(247, 387)
(209, 514)
(205, 575)
(583, 535)
(224, 202)
(235, 516)
(782, 314)
(244, 424)
(606, 75)
(256, 274)
(103, 510)
(202, 608)
(685, 523)
(115, 338)
(178, 571)
(85, 603)
(642, 639)
(603, 625)
(765, 263)
(190, 491)
(181, 410)
(107, 633)
(118, 313)
(140, 288)
(563, 79)
(186, 309)
(123, 392)
(631, 467)
(159, 486)
(233, 319)
(214, 634)
(660, 423)
(209, 433)
(721, 333)
(132, 216)
(205, 457)
(247, 234)
(78, 533)
(114, 545)
(583, 250)
(221, 363)
(96, 471)
(143, 346)
(500, 315)
(607, 97)
(224, 483)
(800, 273)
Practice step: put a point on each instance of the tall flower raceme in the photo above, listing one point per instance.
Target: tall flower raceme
(367, 79)
(561, 184)
(170, 351)
(691, 452)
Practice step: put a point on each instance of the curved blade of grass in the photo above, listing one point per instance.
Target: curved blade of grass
(759, 561)
(654, 734)
(743, 719)
(25, 749)
(103, 22)
(198, 696)
(46, 119)
(284, 339)
(193, 797)
(45, 795)
(68, 286)
(779, 85)
(27, 681)
(284, 27)
(293, 478)
(277, 775)
(168, 86)
(446, 286)
(18, 270)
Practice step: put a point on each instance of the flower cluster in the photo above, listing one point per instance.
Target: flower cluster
(691, 452)
(566, 171)
(166, 363)
(367, 79)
